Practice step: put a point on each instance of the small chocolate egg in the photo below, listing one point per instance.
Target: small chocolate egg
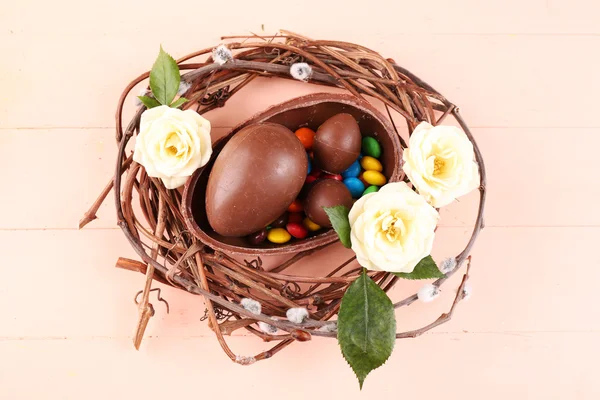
(325, 193)
(256, 176)
(337, 143)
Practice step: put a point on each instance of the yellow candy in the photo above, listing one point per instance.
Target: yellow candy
(311, 225)
(278, 235)
(371, 164)
(374, 178)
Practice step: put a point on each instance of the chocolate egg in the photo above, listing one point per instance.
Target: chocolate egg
(337, 143)
(325, 193)
(254, 179)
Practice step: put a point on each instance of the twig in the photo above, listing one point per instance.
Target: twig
(90, 214)
(220, 279)
(144, 307)
(444, 317)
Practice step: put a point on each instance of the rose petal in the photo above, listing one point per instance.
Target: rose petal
(174, 182)
(163, 128)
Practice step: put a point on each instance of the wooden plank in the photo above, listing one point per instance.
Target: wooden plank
(523, 279)
(523, 73)
(465, 16)
(64, 284)
(58, 188)
(520, 82)
(452, 366)
(536, 177)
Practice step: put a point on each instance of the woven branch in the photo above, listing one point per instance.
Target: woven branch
(172, 255)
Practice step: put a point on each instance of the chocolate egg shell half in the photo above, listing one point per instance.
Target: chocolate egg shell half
(337, 143)
(257, 175)
(325, 193)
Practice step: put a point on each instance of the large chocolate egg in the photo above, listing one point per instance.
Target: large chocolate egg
(325, 193)
(337, 143)
(257, 175)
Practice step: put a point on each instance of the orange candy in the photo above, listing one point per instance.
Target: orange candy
(296, 206)
(306, 136)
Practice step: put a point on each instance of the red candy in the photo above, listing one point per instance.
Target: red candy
(295, 207)
(297, 230)
(295, 218)
(309, 179)
(331, 176)
(306, 136)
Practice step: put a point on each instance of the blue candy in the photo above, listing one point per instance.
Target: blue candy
(353, 171)
(309, 164)
(355, 186)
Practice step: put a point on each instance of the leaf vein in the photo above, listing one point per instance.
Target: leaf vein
(366, 308)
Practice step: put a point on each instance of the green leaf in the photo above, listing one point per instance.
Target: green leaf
(149, 102)
(366, 326)
(338, 216)
(425, 269)
(164, 78)
(179, 102)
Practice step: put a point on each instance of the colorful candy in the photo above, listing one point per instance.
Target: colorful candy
(310, 225)
(374, 178)
(280, 222)
(370, 189)
(355, 186)
(371, 164)
(353, 171)
(362, 177)
(371, 147)
(295, 207)
(297, 230)
(306, 136)
(257, 237)
(278, 235)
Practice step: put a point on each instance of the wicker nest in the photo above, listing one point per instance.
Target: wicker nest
(173, 256)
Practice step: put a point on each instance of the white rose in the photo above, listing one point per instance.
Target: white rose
(393, 229)
(440, 163)
(172, 144)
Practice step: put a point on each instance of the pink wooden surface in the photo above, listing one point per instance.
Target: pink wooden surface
(525, 74)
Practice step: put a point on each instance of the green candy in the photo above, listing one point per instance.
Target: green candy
(371, 147)
(370, 189)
